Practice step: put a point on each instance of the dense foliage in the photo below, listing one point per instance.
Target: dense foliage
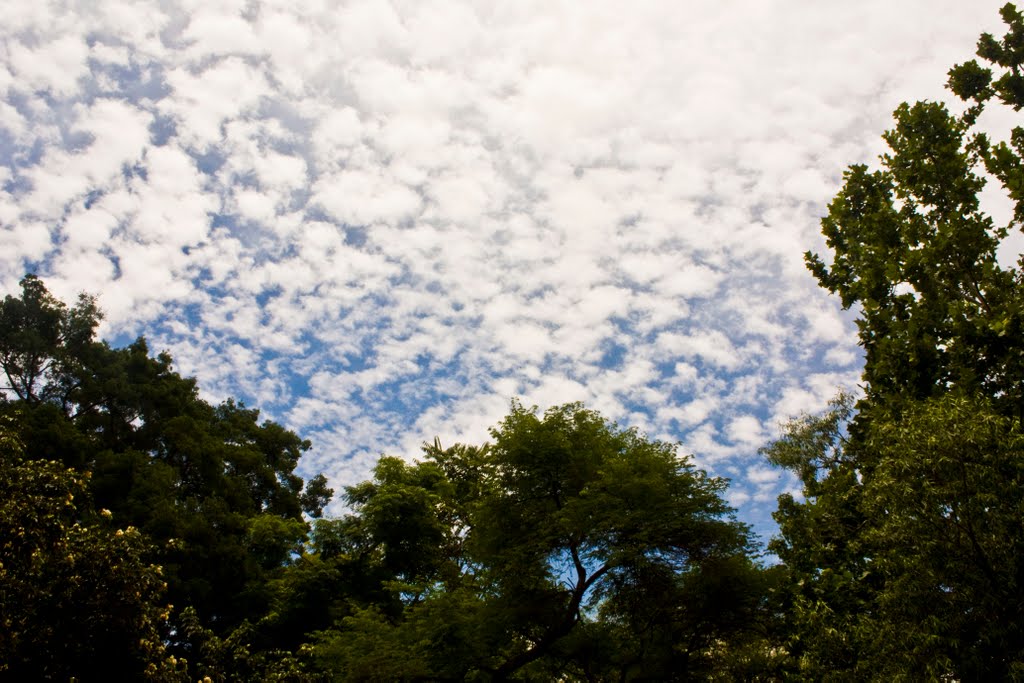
(565, 547)
(57, 561)
(906, 555)
(205, 495)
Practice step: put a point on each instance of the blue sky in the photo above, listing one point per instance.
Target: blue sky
(381, 221)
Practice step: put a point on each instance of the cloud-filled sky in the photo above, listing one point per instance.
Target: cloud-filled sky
(380, 221)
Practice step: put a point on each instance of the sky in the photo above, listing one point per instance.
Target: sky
(382, 221)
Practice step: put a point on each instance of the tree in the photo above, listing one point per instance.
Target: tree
(211, 488)
(953, 468)
(78, 599)
(529, 556)
(824, 551)
(912, 247)
(910, 565)
(903, 555)
(39, 337)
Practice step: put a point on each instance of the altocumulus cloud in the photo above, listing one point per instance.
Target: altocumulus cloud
(380, 221)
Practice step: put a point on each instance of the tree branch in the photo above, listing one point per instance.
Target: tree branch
(562, 628)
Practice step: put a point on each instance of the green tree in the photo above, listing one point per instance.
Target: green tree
(39, 339)
(903, 554)
(78, 599)
(913, 249)
(953, 468)
(906, 554)
(823, 548)
(212, 488)
(529, 556)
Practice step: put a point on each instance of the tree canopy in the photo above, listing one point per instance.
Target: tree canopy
(77, 596)
(564, 545)
(209, 491)
(904, 556)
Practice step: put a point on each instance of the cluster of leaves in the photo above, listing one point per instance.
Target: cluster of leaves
(57, 562)
(906, 555)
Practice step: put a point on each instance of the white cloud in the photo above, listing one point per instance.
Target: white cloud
(708, 346)
(366, 197)
(55, 66)
(117, 135)
(173, 208)
(202, 102)
(746, 430)
(30, 240)
(212, 33)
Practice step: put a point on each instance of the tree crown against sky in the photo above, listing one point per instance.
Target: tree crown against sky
(905, 554)
(210, 489)
(564, 546)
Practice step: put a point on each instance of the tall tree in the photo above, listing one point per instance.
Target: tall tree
(912, 247)
(212, 487)
(904, 554)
